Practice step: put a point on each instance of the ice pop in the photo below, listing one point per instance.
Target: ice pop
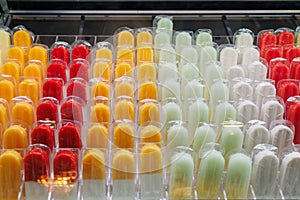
(57, 69)
(22, 37)
(234, 72)
(272, 52)
(18, 54)
(125, 55)
(167, 71)
(171, 89)
(243, 38)
(11, 68)
(238, 176)
(144, 55)
(124, 135)
(39, 52)
(164, 22)
(81, 49)
(124, 87)
(69, 136)
(257, 71)
(285, 36)
(188, 72)
(34, 69)
(161, 40)
(177, 135)
(224, 111)
(271, 110)
(189, 55)
(123, 69)
(125, 38)
(23, 111)
(265, 38)
(291, 114)
(209, 175)
(97, 136)
(30, 88)
(263, 89)
(207, 54)
(218, 91)
(104, 53)
(102, 69)
(151, 134)
(212, 72)
(204, 134)
(77, 87)
(144, 37)
(281, 137)
(149, 111)
(203, 36)
(7, 85)
(289, 175)
(15, 136)
(167, 54)
(100, 112)
(241, 89)
(124, 109)
(4, 115)
(48, 110)
(193, 89)
(61, 50)
(246, 111)
(146, 72)
(148, 90)
(5, 39)
(100, 88)
(171, 111)
(228, 57)
(72, 109)
(65, 165)
(295, 69)
(291, 53)
(53, 87)
(287, 88)
(10, 174)
(79, 68)
(231, 138)
(43, 134)
(279, 69)
(182, 39)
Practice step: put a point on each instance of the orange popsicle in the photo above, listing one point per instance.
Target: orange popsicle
(39, 52)
(22, 38)
(149, 112)
(93, 165)
(150, 134)
(100, 113)
(24, 112)
(11, 68)
(125, 38)
(10, 175)
(147, 90)
(146, 72)
(101, 69)
(30, 88)
(144, 38)
(124, 88)
(100, 89)
(123, 165)
(34, 69)
(124, 109)
(4, 115)
(144, 55)
(125, 55)
(17, 53)
(104, 53)
(97, 136)
(149, 153)
(7, 91)
(14, 137)
(123, 69)
(124, 135)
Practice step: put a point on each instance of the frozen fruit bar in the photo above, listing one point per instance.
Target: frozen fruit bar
(69, 136)
(43, 134)
(14, 137)
(65, 166)
(97, 136)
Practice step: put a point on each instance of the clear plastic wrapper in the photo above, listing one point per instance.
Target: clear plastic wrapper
(123, 108)
(22, 36)
(39, 52)
(100, 109)
(203, 36)
(246, 110)
(61, 50)
(43, 133)
(58, 69)
(285, 36)
(228, 56)
(149, 110)
(279, 68)
(23, 110)
(8, 87)
(13, 68)
(272, 109)
(101, 69)
(48, 109)
(5, 37)
(99, 87)
(81, 49)
(287, 88)
(124, 134)
(30, 87)
(292, 107)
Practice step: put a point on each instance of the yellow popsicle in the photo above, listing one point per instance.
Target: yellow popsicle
(4, 44)
(124, 110)
(125, 38)
(4, 116)
(33, 70)
(144, 55)
(144, 38)
(123, 165)
(101, 70)
(124, 89)
(97, 136)
(22, 38)
(15, 136)
(125, 55)
(93, 165)
(149, 112)
(11, 68)
(39, 53)
(124, 135)
(10, 175)
(30, 88)
(7, 91)
(17, 53)
(104, 53)
(146, 72)
(148, 90)
(100, 89)
(123, 69)
(152, 134)
(23, 111)
(100, 113)
(150, 159)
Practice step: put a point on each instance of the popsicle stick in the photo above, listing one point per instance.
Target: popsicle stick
(14, 137)
(97, 136)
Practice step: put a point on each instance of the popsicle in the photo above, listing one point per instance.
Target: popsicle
(144, 37)
(148, 90)
(212, 72)
(43, 134)
(234, 72)
(124, 87)
(224, 111)
(241, 89)
(81, 50)
(193, 89)
(30, 88)
(238, 176)
(7, 91)
(149, 112)
(125, 38)
(71, 109)
(53, 87)
(5, 43)
(209, 175)
(188, 72)
(289, 175)
(125, 55)
(10, 174)
(177, 135)
(144, 55)
(104, 53)
(146, 72)
(57, 69)
(48, 110)
(291, 114)
(281, 137)
(65, 165)
(151, 134)
(182, 39)
(171, 111)
(218, 91)
(123, 69)
(4, 114)
(271, 52)
(279, 69)
(18, 54)
(124, 109)
(287, 88)
(285, 36)
(203, 36)
(171, 89)
(231, 138)
(61, 50)
(161, 39)
(207, 54)
(167, 71)
(39, 52)
(271, 110)
(34, 69)
(77, 87)
(97, 136)
(203, 135)
(246, 111)
(243, 38)
(100, 112)
(11, 68)
(101, 69)
(228, 57)
(167, 54)
(181, 176)
(15, 136)
(23, 111)
(79, 69)
(124, 135)
(189, 55)
(256, 134)
(257, 71)
(69, 136)
(291, 53)
(264, 38)
(22, 37)
(263, 89)
(93, 165)
(164, 22)
(264, 174)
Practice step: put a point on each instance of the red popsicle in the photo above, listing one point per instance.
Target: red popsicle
(278, 70)
(47, 110)
(69, 136)
(43, 134)
(292, 53)
(295, 69)
(266, 37)
(285, 36)
(72, 110)
(80, 51)
(293, 114)
(287, 88)
(61, 52)
(36, 165)
(79, 69)
(271, 52)
(57, 69)
(77, 88)
(66, 166)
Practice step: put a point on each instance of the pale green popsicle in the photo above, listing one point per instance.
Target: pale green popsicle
(170, 88)
(183, 39)
(166, 71)
(177, 135)
(165, 23)
(256, 134)
(218, 91)
(231, 138)
(171, 111)
(162, 38)
(203, 37)
(228, 57)
(203, 134)
(181, 176)
(192, 90)
(188, 55)
(224, 111)
(212, 72)
(210, 175)
(207, 54)
(238, 176)
(188, 72)
(4, 45)
(167, 54)
(264, 174)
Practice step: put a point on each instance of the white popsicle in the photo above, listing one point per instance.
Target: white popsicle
(166, 71)
(207, 54)
(218, 91)
(256, 134)
(249, 55)
(228, 57)
(241, 90)
(257, 71)
(281, 137)
(263, 89)
(235, 71)
(270, 111)
(246, 111)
